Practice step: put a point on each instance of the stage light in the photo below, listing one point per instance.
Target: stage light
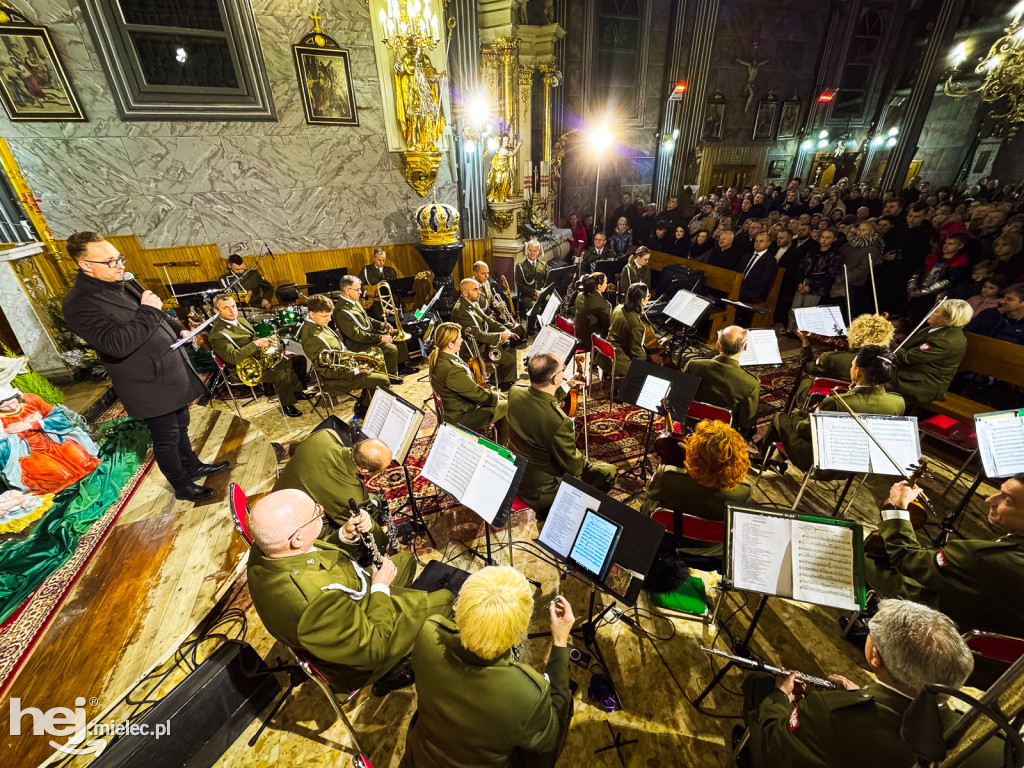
(668, 145)
(959, 53)
(600, 137)
(891, 142)
(827, 95)
(678, 91)
(894, 131)
(806, 145)
(492, 144)
(181, 55)
(823, 135)
(877, 141)
(823, 143)
(675, 134)
(478, 112)
(470, 146)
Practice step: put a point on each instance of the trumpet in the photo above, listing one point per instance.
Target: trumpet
(505, 316)
(387, 305)
(352, 361)
(251, 370)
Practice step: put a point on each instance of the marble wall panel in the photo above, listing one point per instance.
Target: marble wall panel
(310, 209)
(69, 215)
(168, 220)
(242, 215)
(187, 165)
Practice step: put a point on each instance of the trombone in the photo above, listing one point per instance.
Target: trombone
(387, 305)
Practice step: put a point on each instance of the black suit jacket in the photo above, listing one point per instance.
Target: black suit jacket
(730, 258)
(758, 281)
(133, 342)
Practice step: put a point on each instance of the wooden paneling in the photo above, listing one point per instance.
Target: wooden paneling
(717, 155)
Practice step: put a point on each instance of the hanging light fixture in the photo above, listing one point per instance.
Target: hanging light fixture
(1001, 72)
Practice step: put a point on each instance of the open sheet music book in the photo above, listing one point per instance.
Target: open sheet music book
(1001, 442)
(479, 474)
(547, 316)
(825, 321)
(840, 443)
(687, 307)
(762, 348)
(551, 339)
(393, 421)
(813, 560)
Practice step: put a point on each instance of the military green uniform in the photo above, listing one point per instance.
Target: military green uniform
(323, 602)
(928, 362)
(828, 728)
(487, 333)
(725, 384)
(253, 282)
(531, 276)
(540, 431)
(486, 300)
(480, 713)
(362, 332)
(235, 342)
(371, 275)
(323, 467)
(671, 488)
(631, 273)
(465, 402)
(976, 583)
(338, 382)
(593, 315)
(626, 335)
(827, 365)
(795, 429)
(591, 257)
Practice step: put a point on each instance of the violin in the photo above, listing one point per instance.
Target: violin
(838, 343)
(477, 364)
(572, 399)
(874, 544)
(670, 446)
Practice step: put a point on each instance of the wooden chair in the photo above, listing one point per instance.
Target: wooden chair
(602, 347)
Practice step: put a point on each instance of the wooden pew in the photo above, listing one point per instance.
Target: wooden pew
(768, 320)
(724, 280)
(1002, 360)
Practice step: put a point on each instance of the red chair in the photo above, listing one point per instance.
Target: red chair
(690, 526)
(438, 409)
(993, 654)
(602, 347)
(238, 502)
(956, 434)
(706, 412)
(567, 326)
(822, 388)
(518, 505)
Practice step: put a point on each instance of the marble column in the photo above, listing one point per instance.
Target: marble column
(24, 297)
(921, 94)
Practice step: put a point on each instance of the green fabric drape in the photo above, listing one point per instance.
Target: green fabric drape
(26, 562)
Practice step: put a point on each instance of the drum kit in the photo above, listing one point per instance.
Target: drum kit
(286, 322)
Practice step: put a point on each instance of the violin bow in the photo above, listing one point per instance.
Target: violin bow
(938, 304)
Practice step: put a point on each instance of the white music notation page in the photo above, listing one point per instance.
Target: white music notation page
(839, 443)
(488, 485)
(565, 518)
(554, 302)
(901, 439)
(1001, 442)
(551, 339)
(762, 348)
(825, 321)
(652, 392)
(686, 307)
(451, 461)
(761, 553)
(823, 565)
(392, 422)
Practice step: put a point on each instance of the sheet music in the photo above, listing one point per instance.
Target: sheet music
(1001, 442)
(565, 517)
(761, 553)
(551, 339)
(686, 307)
(554, 302)
(839, 443)
(823, 565)
(900, 437)
(652, 392)
(762, 348)
(488, 483)
(395, 423)
(820, 320)
(595, 539)
(452, 460)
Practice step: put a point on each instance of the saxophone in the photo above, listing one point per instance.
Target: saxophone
(251, 370)
(352, 361)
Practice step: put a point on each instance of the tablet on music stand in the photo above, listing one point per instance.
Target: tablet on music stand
(595, 542)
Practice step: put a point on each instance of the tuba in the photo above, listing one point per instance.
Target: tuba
(352, 361)
(250, 371)
(387, 305)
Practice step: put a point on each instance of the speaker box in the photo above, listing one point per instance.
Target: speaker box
(204, 715)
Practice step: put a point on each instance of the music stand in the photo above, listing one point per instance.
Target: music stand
(625, 565)
(688, 309)
(325, 280)
(645, 385)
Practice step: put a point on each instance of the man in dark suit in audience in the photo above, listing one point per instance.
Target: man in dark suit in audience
(759, 272)
(725, 254)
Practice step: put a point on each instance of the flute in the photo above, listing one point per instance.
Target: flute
(367, 538)
(754, 664)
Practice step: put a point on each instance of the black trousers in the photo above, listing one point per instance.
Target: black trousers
(171, 447)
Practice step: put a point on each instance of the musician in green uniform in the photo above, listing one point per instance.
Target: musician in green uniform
(910, 645)
(531, 276)
(233, 340)
(374, 273)
(542, 432)
(357, 624)
(477, 707)
(724, 384)
(593, 312)
(464, 401)
(974, 581)
(488, 290)
(323, 467)
(317, 336)
(626, 332)
(872, 369)
(636, 269)
(929, 359)
(486, 332)
(361, 332)
(599, 251)
(866, 329)
(261, 292)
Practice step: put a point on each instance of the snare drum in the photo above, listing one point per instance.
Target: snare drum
(290, 315)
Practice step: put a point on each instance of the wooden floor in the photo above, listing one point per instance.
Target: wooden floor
(167, 564)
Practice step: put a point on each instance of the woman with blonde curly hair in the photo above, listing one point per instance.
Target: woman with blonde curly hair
(716, 465)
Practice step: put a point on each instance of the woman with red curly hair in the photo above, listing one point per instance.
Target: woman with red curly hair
(716, 465)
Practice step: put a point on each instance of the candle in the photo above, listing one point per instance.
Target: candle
(434, 22)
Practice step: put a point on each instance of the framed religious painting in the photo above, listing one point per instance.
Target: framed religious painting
(765, 117)
(33, 83)
(789, 118)
(325, 78)
(714, 117)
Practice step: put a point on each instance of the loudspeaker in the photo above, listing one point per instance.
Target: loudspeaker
(203, 716)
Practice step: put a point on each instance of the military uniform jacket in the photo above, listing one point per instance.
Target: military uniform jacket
(463, 399)
(542, 433)
(591, 257)
(626, 334)
(473, 321)
(322, 602)
(631, 273)
(233, 343)
(478, 713)
(828, 365)
(488, 290)
(315, 339)
(725, 384)
(253, 282)
(359, 329)
(133, 343)
(530, 277)
(370, 275)
(593, 315)
(974, 582)
(929, 361)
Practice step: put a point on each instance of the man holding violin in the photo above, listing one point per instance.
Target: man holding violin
(542, 432)
(973, 581)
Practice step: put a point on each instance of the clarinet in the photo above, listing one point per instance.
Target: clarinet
(367, 538)
(387, 521)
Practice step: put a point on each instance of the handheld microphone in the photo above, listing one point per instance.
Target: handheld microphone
(128, 277)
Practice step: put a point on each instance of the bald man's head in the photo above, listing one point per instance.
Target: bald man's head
(732, 340)
(285, 523)
(371, 456)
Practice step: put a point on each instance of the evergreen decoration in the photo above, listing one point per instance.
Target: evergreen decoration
(34, 383)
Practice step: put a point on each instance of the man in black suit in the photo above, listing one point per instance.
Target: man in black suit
(759, 272)
(133, 336)
(725, 254)
(672, 216)
(626, 209)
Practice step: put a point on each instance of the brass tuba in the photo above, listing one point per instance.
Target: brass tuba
(387, 305)
(250, 371)
(352, 361)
